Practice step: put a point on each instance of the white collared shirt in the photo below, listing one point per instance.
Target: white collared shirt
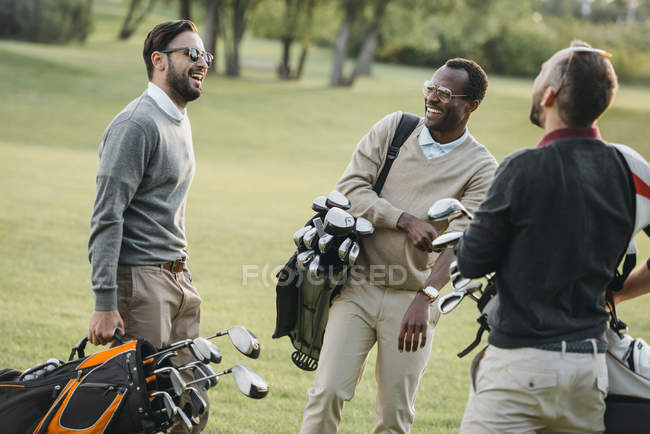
(432, 149)
(165, 102)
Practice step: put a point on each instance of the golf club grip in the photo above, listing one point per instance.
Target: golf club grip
(80, 348)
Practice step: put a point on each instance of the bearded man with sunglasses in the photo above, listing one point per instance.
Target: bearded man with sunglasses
(554, 226)
(137, 247)
(388, 299)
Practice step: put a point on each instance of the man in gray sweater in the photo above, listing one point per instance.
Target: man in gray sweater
(137, 247)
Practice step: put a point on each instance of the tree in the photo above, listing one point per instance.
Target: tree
(234, 12)
(297, 23)
(137, 12)
(185, 9)
(211, 28)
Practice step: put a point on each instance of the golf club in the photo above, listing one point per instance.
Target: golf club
(250, 383)
(325, 242)
(178, 385)
(338, 222)
(353, 254)
(163, 358)
(297, 236)
(185, 343)
(320, 205)
(243, 339)
(313, 267)
(304, 258)
(448, 240)
(344, 248)
(364, 228)
(311, 238)
(459, 281)
(337, 200)
(447, 209)
(198, 403)
(168, 403)
(189, 411)
(448, 302)
(205, 351)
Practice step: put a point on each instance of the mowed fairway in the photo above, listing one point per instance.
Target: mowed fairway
(264, 150)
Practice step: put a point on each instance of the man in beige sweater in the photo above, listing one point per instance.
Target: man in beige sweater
(388, 299)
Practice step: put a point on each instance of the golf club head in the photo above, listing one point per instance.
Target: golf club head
(448, 302)
(337, 200)
(453, 267)
(190, 412)
(363, 227)
(198, 403)
(186, 423)
(447, 209)
(244, 340)
(304, 258)
(211, 374)
(205, 351)
(338, 222)
(344, 248)
(353, 254)
(320, 205)
(250, 383)
(310, 238)
(177, 382)
(446, 241)
(325, 242)
(472, 289)
(297, 236)
(168, 403)
(313, 267)
(459, 281)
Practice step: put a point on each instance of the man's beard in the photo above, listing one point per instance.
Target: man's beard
(181, 85)
(536, 112)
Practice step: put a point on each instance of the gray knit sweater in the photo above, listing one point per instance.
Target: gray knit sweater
(146, 166)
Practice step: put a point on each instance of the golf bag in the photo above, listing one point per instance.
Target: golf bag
(302, 304)
(104, 392)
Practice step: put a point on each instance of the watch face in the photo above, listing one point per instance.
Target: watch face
(431, 292)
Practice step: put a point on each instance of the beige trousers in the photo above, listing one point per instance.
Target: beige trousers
(527, 390)
(362, 315)
(161, 307)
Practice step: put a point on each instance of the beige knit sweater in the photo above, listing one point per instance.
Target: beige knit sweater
(413, 184)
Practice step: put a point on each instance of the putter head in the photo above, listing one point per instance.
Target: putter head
(304, 258)
(338, 222)
(320, 205)
(325, 242)
(446, 241)
(364, 228)
(447, 209)
(245, 341)
(353, 254)
(250, 383)
(313, 267)
(337, 200)
(344, 248)
(310, 240)
(297, 236)
(205, 351)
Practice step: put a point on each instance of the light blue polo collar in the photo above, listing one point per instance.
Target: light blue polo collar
(433, 149)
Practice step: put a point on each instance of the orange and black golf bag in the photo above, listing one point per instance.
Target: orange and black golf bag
(107, 392)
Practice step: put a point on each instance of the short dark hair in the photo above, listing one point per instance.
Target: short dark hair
(478, 81)
(588, 87)
(160, 36)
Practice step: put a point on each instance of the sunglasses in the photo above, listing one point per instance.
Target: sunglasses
(193, 54)
(444, 94)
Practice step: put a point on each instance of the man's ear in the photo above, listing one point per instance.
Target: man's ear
(548, 97)
(473, 105)
(159, 61)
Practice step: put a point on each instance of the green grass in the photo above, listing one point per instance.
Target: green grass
(264, 150)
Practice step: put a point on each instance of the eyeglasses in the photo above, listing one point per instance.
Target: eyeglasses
(578, 49)
(193, 54)
(444, 94)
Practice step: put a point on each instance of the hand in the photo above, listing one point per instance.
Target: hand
(103, 324)
(420, 232)
(414, 324)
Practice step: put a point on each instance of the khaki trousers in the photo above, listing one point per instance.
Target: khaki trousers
(527, 390)
(161, 307)
(362, 315)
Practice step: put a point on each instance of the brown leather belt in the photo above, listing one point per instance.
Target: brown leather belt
(174, 266)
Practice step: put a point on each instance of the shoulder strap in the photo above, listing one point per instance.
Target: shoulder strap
(406, 125)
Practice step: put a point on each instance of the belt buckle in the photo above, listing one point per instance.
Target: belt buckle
(177, 265)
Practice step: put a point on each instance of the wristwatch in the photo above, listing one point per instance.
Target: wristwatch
(430, 292)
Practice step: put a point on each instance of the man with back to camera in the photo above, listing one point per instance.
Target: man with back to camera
(439, 159)
(554, 226)
(137, 247)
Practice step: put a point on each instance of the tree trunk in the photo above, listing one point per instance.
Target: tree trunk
(185, 9)
(133, 18)
(369, 45)
(36, 21)
(306, 39)
(301, 62)
(211, 30)
(238, 27)
(341, 48)
(89, 12)
(284, 68)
